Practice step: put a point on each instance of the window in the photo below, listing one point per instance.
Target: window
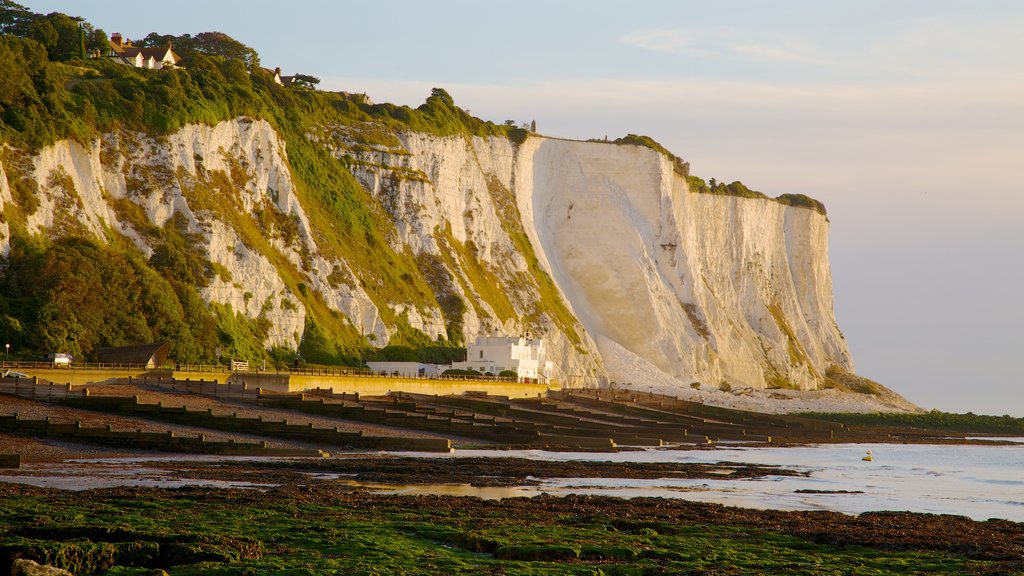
(481, 354)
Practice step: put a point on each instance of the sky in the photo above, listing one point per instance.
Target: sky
(906, 118)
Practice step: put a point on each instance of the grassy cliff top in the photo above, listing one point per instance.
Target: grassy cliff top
(700, 186)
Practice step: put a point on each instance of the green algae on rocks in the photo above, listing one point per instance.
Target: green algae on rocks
(325, 529)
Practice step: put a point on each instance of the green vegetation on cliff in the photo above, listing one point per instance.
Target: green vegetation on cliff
(699, 186)
(50, 92)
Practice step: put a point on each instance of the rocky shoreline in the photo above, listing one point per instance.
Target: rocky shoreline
(322, 527)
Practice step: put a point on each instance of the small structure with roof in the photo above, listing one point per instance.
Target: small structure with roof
(150, 355)
(407, 369)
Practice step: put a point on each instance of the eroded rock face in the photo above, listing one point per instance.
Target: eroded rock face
(655, 279)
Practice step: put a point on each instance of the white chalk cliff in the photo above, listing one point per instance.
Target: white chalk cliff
(692, 287)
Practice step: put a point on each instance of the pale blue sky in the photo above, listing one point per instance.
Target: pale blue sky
(905, 117)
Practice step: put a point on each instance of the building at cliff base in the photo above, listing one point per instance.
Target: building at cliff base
(408, 369)
(527, 357)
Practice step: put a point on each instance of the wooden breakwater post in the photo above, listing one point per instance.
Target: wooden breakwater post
(10, 460)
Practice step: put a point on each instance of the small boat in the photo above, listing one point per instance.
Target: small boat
(868, 457)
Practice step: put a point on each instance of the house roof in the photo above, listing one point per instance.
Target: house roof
(158, 53)
(152, 354)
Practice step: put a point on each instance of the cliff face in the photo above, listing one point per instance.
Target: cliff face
(600, 248)
(706, 288)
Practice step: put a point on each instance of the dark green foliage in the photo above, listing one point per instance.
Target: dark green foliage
(968, 423)
(15, 18)
(801, 200)
(33, 102)
(737, 189)
(74, 295)
(320, 347)
(680, 167)
(411, 345)
(180, 256)
(699, 186)
(96, 40)
(508, 374)
(424, 354)
(305, 81)
(238, 336)
(461, 372)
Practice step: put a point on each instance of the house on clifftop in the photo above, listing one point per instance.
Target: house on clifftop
(122, 50)
(278, 79)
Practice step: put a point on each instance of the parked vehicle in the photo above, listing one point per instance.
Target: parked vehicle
(59, 359)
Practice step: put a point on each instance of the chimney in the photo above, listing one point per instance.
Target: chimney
(116, 38)
(277, 70)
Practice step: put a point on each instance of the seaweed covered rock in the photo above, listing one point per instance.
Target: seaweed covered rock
(23, 567)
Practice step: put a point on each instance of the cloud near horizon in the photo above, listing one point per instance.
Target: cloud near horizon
(721, 43)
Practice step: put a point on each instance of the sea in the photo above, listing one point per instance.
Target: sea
(976, 481)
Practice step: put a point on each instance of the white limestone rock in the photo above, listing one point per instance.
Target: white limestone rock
(669, 287)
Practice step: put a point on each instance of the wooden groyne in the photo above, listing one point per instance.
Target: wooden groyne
(137, 439)
(130, 406)
(10, 460)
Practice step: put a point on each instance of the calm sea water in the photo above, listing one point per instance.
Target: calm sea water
(980, 482)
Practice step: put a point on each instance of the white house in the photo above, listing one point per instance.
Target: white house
(122, 50)
(408, 369)
(525, 356)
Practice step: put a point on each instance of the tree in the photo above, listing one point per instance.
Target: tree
(68, 42)
(442, 95)
(154, 40)
(15, 82)
(15, 18)
(95, 39)
(220, 44)
(305, 81)
(42, 31)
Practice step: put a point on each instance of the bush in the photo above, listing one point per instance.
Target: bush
(460, 372)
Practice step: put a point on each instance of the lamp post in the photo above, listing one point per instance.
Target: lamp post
(7, 353)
